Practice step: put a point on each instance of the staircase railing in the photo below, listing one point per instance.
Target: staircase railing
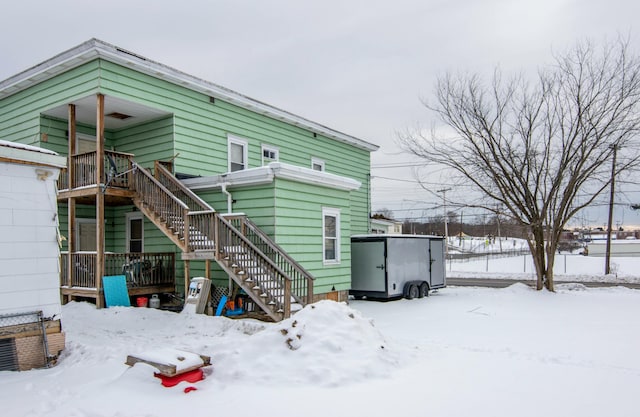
(201, 230)
(301, 279)
(277, 288)
(172, 184)
(161, 201)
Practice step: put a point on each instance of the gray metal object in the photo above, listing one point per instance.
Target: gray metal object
(394, 266)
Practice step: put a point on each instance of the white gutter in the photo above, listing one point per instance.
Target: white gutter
(223, 187)
(266, 175)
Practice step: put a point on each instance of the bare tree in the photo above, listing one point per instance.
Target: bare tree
(531, 148)
(383, 213)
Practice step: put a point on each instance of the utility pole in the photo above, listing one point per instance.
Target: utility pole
(499, 234)
(446, 220)
(607, 262)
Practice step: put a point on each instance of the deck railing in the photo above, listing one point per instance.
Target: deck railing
(161, 201)
(140, 269)
(301, 279)
(272, 281)
(117, 168)
(201, 234)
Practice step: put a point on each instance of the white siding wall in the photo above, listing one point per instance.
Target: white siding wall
(29, 265)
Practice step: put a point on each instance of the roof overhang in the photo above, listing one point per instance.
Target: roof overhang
(95, 48)
(267, 174)
(32, 155)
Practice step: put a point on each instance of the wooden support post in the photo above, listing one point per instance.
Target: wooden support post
(216, 236)
(71, 202)
(187, 278)
(207, 268)
(71, 169)
(99, 200)
(287, 298)
(71, 244)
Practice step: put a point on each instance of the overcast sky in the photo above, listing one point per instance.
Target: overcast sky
(360, 67)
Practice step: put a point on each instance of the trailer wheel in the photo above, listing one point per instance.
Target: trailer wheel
(424, 290)
(413, 292)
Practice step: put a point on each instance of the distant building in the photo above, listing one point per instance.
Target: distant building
(385, 226)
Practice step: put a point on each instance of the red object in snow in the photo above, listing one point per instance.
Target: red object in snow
(189, 389)
(190, 376)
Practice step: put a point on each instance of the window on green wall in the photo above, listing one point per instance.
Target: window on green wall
(330, 235)
(237, 153)
(317, 164)
(269, 154)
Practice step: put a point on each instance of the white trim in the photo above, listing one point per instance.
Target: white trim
(95, 48)
(231, 139)
(331, 212)
(271, 149)
(266, 174)
(137, 215)
(18, 152)
(319, 162)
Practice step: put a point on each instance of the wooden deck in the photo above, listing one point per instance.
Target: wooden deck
(145, 273)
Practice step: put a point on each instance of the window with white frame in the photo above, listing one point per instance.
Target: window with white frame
(238, 150)
(317, 164)
(269, 154)
(135, 232)
(330, 235)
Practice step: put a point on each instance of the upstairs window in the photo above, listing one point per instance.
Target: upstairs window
(330, 235)
(317, 164)
(269, 154)
(237, 154)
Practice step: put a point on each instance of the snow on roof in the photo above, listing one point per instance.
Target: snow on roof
(95, 48)
(26, 147)
(17, 152)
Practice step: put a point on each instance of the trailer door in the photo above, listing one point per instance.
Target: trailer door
(436, 268)
(368, 266)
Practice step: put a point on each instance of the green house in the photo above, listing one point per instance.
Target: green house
(171, 177)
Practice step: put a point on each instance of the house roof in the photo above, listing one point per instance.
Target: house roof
(95, 48)
(266, 174)
(21, 153)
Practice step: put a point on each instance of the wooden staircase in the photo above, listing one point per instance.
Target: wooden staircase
(267, 274)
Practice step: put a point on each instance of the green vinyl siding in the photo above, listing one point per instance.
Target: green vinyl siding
(20, 113)
(148, 142)
(299, 230)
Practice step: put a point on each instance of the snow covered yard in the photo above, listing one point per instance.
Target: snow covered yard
(460, 352)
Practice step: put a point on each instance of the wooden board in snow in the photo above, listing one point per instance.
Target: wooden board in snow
(170, 362)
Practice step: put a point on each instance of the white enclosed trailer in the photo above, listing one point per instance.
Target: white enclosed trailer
(394, 266)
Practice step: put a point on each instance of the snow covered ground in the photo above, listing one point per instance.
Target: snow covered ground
(460, 352)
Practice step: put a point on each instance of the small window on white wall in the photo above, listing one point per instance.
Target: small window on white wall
(330, 235)
(269, 154)
(317, 164)
(238, 150)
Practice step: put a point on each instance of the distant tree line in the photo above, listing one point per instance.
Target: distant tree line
(478, 226)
